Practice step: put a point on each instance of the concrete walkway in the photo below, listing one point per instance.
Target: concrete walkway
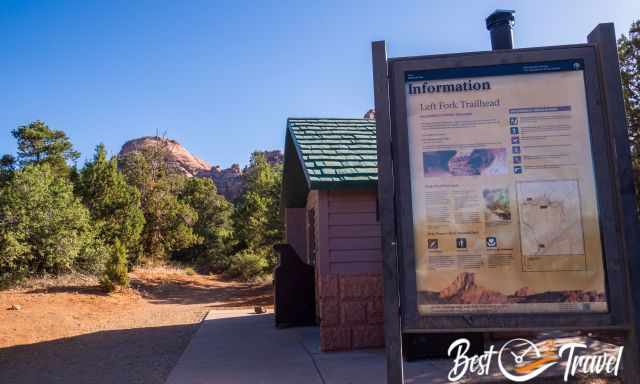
(240, 347)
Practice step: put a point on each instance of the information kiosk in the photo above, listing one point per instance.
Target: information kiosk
(506, 193)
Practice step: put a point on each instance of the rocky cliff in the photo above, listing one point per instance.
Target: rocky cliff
(229, 181)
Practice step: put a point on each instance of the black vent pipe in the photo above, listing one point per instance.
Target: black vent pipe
(500, 25)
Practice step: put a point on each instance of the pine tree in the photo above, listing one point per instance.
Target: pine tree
(38, 144)
(114, 204)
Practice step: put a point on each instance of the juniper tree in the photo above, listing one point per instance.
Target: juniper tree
(214, 225)
(7, 167)
(168, 220)
(115, 273)
(43, 226)
(257, 219)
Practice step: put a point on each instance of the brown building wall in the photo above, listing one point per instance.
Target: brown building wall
(295, 221)
(348, 269)
(312, 226)
(312, 233)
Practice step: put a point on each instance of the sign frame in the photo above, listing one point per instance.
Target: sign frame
(412, 320)
(614, 191)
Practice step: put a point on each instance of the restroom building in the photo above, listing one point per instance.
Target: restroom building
(331, 221)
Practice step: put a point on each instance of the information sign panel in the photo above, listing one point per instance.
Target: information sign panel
(505, 212)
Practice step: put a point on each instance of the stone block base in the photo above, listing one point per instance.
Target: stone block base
(351, 311)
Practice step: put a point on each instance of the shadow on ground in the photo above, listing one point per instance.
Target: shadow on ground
(143, 355)
(86, 290)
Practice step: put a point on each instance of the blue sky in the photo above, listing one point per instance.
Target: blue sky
(222, 77)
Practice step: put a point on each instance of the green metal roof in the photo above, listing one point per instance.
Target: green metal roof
(335, 153)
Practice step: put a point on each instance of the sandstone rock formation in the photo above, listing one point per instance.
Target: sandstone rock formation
(229, 181)
(464, 282)
(178, 157)
(464, 290)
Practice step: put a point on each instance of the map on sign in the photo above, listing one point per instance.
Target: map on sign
(550, 218)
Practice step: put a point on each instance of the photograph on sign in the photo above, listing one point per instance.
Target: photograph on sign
(503, 190)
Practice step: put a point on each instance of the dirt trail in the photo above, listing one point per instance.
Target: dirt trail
(71, 332)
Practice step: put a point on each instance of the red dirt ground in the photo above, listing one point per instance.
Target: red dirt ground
(68, 331)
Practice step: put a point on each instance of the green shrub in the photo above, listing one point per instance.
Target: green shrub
(44, 228)
(93, 258)
(249, 264)
(115, 273)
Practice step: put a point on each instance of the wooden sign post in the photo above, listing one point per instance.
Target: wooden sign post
(506, 194)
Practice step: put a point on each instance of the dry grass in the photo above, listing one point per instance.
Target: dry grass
(161, 269)
(49, 281)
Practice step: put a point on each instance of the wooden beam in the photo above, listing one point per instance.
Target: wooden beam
(386, 196)
(604, 37)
